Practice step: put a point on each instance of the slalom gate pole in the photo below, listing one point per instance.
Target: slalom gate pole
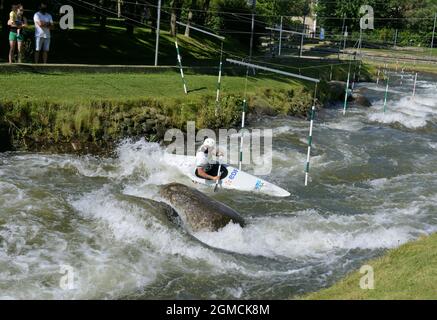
(243, 116)
(330, 74)
(180, 67)
(310, 137)
(414, 85)
(280, 38)
(353, 82)
(402, 76)
(345, 94)
(359, 72)
(158, 23)
(377, 77)
(385, 95)
(219, 78)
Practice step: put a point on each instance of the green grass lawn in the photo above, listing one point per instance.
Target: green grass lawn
(408, 272)
(413, 51)
(80, 87)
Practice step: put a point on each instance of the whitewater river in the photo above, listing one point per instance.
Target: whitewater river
(373, 187)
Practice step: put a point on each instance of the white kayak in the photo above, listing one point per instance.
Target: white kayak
(235, 179)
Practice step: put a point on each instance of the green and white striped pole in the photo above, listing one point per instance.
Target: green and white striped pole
(243, 116)
(310, 140)
(346, 93)
(414, 85)
(402, 76)
(359, 72)
(377, 77)
(385, 95)
(180, 67)
(310, 137)
(219, 75)
(353, 82)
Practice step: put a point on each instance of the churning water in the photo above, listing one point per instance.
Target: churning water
(374, 186)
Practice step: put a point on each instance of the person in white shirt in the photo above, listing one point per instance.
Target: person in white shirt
(43, 24)
(206, 168)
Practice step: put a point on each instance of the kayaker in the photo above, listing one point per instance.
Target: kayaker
(206, 167)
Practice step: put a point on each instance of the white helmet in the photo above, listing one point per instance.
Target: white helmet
(209, 144)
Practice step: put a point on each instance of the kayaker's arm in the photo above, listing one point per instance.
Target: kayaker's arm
(204, 175)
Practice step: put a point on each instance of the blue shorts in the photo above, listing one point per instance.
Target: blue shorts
(42, 44)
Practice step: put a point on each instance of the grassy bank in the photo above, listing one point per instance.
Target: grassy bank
(47, 110)
(408, 66)
(407, 272)
(81, 87)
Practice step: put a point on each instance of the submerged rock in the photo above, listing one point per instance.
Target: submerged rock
(199, 211)
(360, 99)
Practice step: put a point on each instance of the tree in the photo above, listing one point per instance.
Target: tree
(190, 17)
(175, 13)
(102, 17)
(388, 13)
(5, 7)
(204, 14)
(271, 10)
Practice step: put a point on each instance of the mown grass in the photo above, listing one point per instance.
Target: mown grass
(407, 66)
(81, 87)
(407, 272)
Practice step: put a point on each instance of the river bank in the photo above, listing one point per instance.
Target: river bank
(407, 272)
(78, 112)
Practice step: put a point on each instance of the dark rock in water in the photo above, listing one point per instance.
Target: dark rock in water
(160, 210)
(360, 100)
(200, 211)
(361, 90)
(336, 90)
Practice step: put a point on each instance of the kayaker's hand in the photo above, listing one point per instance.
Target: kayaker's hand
(219, 153)
(216, 178)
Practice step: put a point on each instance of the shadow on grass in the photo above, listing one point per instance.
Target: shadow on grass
(197, 89)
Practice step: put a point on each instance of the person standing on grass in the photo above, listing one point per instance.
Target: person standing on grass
(43, 24)
(16, 24)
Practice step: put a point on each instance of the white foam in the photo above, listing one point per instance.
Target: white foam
(410, 112)
(127, 223)
(345, 124)
(378, 183)
(307, 233)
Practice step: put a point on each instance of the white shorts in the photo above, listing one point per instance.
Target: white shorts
(42, 44)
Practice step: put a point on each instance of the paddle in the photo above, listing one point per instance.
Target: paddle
(219, 174)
